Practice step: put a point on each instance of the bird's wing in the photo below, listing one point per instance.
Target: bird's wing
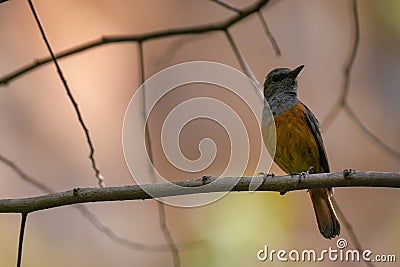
(314, 126)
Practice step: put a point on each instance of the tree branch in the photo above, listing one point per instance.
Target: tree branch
(269, 34)
(227, 6)
(221, 26)
(95, 168)
(160, 205)
(347, 71)
(21, 238)
(347, 178)
(93, 219)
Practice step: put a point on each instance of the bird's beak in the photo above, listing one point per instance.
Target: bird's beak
(293, 74)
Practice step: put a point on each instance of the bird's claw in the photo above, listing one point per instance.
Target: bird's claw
(265, 175)
(302, 175)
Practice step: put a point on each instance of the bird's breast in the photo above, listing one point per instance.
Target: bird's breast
(296, 149)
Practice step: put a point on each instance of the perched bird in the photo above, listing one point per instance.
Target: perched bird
(299, 146)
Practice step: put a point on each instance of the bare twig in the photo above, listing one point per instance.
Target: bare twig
(172, 49)
(26, 177)
(243, 64)
(271, 38)
(347, 71)
(92, 218)
(187, 187)
(350, 63)
(343, 103)
(369, 133)
(99, 176)
(227, 6)
(349, 229)
(167, 234)
(221, 26)
(21, 238)
(126, 242)
(332, 114)
(161, 209)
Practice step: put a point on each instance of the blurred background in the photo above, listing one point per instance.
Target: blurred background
(40, 131)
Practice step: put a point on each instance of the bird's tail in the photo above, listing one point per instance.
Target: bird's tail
(327, 220)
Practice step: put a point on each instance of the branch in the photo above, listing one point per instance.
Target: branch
(347, 178)
(269, 34)
(21, 238)
(347, 71)
(375, 138)
(221, 26)
(243, 64)
(227, 6)
(99, 176)
(161, 209)
(93, 219)
(343, 102)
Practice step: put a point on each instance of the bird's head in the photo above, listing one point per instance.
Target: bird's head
(281, 81)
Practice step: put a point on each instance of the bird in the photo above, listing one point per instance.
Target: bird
(299, 147)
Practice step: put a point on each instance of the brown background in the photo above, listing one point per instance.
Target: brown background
(40, 132)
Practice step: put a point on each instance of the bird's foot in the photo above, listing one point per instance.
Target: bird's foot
(302, 175)
(265, 175)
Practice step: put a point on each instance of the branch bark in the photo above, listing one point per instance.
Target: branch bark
(198, 29)
(347, 178)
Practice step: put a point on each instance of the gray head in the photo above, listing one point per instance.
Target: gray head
(281, 81)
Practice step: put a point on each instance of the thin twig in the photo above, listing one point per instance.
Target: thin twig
(347, 71)
(99, 176)
(126, 242)
(243, 64)
(161, 209)
(350, 230)
(26, 177)
(350, 63)
(369, 133)
(167, 234)
(270, 36)
(172, 49)
(226, 184)
(221, 26)
(332, 114)
(343, 104)
(227, 6)
(92, 218)
(21, 238)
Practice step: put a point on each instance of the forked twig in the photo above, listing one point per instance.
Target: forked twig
(99, 176)
(92, 218)
(347, 71)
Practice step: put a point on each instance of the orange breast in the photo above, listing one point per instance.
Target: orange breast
(296, 148)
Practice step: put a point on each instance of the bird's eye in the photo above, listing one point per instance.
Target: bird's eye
(275, 78)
